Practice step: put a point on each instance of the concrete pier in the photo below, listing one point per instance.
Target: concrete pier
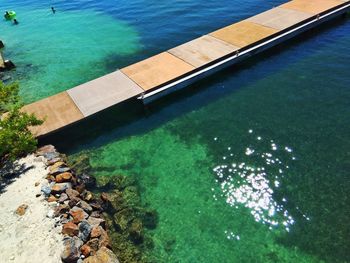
(185, 64)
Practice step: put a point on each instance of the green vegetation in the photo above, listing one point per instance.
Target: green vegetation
(15, 137)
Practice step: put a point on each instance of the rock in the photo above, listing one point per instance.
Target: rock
(63, 198)
(96, 231)
(150, 218)
(51, 178)
(85, 230)
(63, 208)
(136, 231)
(57, 165)
(94, 221)
(85, 206)
(70, 251)
(21, 210)
(93, 244)
(36, 184)
(104, 240)
(74, 201)
(46, 190)
(103, 255)
(96, 205)
(105, 197)
(59, 170)
(95, 214)
(78, 242)
(88, 180)
(54, 160)
(70, 229)
(60, 187)
(72, 193)
(87, 196)
(51, 199)
(50, 214)
(123, 218)
(51, 155)
(85, 250)
(80, 188)
(46, 149)
(63, 177)
(78, 214)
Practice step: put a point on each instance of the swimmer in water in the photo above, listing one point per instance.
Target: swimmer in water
(53, 9)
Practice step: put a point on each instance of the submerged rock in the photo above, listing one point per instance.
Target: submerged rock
(136, 231)
(87, 180)
(103, 255)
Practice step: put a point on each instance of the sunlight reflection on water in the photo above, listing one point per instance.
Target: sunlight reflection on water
(252, 182)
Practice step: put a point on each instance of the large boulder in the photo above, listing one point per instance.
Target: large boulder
(103, 255)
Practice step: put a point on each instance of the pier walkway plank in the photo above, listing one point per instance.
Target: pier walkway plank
(243, 33)
(157, 70)
(312, 6)
(104, 92)
(203, 50)
(57, 111)
(185, 63)
(280, 18)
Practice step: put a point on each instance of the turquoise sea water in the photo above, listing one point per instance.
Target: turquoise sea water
(250, 165)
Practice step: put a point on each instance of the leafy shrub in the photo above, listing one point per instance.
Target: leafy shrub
(15, 136)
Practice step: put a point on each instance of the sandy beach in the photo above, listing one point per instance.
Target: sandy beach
(31, 237)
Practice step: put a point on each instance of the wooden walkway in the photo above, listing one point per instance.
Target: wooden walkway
(186, 63)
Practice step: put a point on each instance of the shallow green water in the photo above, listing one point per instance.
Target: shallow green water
(303, 125)
(56, 52)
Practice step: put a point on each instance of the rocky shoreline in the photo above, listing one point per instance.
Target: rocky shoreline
(77, 211)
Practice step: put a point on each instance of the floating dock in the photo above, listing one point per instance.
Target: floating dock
(185, 64)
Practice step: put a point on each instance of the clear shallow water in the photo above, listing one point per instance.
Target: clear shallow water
(297, 96)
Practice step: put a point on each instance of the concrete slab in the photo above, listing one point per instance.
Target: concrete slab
(312, 6)
(203, 50)
(280, 18)
(157, 70)
(243, 33)
(57, 111)
(103, 92)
